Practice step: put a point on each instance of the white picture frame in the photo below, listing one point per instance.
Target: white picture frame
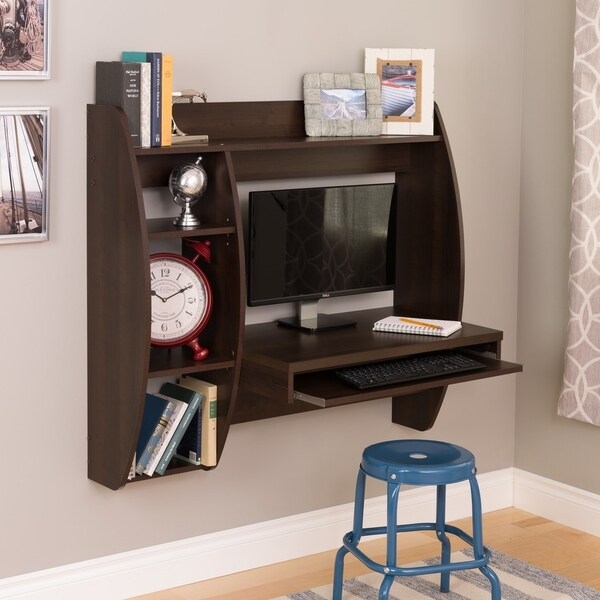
(407, 78)
(24, 160)
(24, 39)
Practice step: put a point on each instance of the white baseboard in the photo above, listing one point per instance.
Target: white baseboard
(557, 501)
(204, 557)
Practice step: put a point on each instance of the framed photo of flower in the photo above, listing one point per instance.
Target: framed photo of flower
(24, 174)
(24, 39)
(406, 88)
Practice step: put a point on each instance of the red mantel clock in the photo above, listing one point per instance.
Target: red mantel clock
(181, 299)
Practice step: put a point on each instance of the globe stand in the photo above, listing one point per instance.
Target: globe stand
(187, 183)
(187, 218)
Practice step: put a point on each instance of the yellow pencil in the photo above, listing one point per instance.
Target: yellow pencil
(421, 323)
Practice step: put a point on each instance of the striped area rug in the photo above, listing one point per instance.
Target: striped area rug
(519, 580)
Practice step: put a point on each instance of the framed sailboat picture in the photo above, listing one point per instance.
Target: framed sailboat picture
(24, 174)
(24, 39)
(406, 88)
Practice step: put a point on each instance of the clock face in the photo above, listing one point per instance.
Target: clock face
(181, 300)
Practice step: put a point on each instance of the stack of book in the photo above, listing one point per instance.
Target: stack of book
(179, 422)
(142, 85)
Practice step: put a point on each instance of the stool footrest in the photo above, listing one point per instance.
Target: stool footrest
(396, 571)
(408, 527)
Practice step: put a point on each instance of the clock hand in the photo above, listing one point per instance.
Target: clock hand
(187, 287)
(153, 293)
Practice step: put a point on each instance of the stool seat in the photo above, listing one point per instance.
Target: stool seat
(418, 462)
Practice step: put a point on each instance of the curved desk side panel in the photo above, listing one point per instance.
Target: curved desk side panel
(430, 257)
(118, 298)
(429, 245)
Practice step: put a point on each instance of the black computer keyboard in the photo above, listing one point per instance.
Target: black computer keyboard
(407, 369)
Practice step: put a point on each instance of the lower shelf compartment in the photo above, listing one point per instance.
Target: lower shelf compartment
(176, 467)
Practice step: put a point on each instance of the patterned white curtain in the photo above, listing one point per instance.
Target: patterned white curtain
(580, 396)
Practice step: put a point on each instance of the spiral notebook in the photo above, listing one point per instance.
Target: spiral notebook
(395, 324)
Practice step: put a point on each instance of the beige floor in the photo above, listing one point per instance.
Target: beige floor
(554, 547)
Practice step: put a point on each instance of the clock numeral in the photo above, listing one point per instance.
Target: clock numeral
(165, 272)
(178, 324)
(164, 327)
(192, 300)
(152, 275)
(178, 276)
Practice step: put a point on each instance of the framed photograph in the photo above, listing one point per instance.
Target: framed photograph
(24, 43)
(24, 174)
(342, 104)
(406, 88)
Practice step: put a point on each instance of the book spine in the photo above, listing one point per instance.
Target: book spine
(165, 437)
(145, 105)
(181, 429)
(118, 84)
(155, 60)
(209, 433)
(190, 447)
(155, 438)
(201, 438)
(131, 101)
(167, 100)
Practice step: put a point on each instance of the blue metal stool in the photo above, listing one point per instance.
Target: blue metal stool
(416, 462)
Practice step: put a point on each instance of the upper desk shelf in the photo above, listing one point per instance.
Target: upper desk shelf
(266, 140)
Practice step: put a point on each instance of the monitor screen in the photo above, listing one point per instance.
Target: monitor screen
(312, 243)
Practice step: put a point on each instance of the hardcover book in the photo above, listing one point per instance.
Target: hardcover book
(157, 412)
(145, 105)
(192, 401)
(155, 60)
(167, 100)
(199, 443)
(165, 435)
(119, 84)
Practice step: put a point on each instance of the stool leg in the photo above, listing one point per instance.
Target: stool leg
(359, 506)
(357, 527)
(392, 521)
(338, 573)
(478, 538)
(491, 575)
(476, 517)
(440, 531)
(393, 489)
(384, 589)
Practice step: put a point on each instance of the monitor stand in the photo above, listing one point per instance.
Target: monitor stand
(308, 319)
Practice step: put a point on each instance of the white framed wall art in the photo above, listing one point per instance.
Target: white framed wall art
(407, 77)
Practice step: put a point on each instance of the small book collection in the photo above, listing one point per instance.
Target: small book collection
(410, 325)
(179, 422)
(142, 85)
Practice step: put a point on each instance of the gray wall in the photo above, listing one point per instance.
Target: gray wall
(240, 50)
(548, 445)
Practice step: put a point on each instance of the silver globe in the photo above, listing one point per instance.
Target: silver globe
(187, 183)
